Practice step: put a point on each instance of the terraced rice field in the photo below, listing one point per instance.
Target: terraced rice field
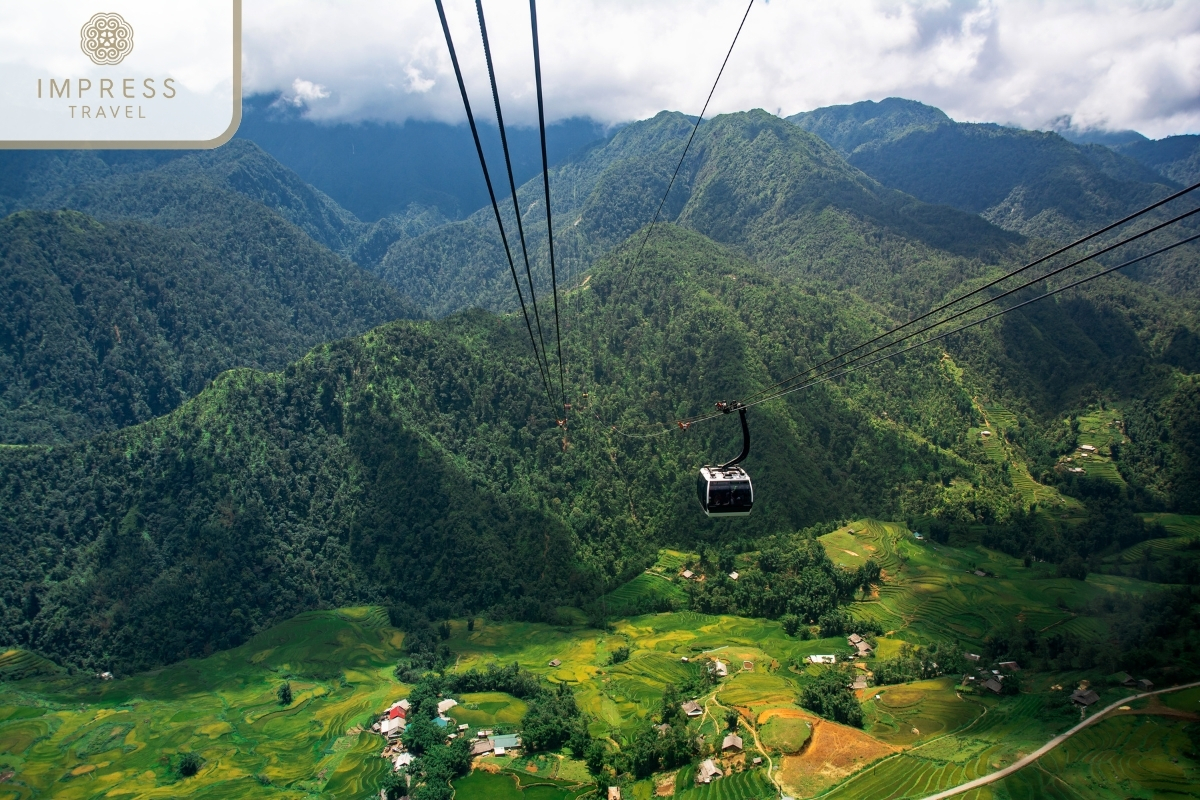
(1125, 756)
(75, 738)
(749, 785)
(647, 588)
(487, 709)
(914, 712)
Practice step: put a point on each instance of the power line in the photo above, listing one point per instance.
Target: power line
(537, 74)
(512, 184)
(462, 88)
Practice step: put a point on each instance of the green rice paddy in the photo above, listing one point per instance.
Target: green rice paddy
(78, 737)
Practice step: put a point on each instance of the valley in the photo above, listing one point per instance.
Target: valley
(268, 468)
(71, 735)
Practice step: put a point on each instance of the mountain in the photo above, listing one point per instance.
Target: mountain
(420, 466)
(1032, 182)
(177, 268)
(751, 181)
(1176, 158)
(376, 170)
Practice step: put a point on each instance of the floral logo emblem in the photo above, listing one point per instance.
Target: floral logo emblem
(106, 39)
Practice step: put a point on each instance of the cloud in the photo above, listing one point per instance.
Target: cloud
(1111, 65)
(306, 91)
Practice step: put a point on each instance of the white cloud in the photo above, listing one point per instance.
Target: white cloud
(304, 92)
(1131, 64)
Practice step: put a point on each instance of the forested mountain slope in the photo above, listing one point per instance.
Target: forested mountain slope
(420, 464)
(751, 180)
(103, 325)
(177, 269)
(173, 189)
(1031, 182)
(1175, 157)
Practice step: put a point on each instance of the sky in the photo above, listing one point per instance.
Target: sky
(1112, 65)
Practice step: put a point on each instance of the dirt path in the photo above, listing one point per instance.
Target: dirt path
(754, 733)
(1050, 745)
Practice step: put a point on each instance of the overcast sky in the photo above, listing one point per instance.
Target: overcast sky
(1110, 65)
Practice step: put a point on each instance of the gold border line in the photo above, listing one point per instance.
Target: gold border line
(152, 144)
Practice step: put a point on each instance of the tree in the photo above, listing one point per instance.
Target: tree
(189, 764)
(791, 624)
(619, 655)
(829, 695)
(285, 693)
(731, 719)
(553, 718)
(672, 705)
(422, 735)
(395, 784)
(595, 758)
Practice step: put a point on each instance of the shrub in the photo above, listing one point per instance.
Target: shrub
(189, 765)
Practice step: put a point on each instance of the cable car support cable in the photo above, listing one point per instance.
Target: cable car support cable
(512, 184)
(828, 377)
(537, 75)
(686, 147)
(1002, 278)
(975, 307)
(462, 88)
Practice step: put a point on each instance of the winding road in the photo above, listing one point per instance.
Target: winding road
(1050, 745)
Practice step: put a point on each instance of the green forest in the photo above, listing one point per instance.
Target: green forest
(179, 476)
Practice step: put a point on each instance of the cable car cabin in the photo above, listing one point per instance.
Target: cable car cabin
(725, 491)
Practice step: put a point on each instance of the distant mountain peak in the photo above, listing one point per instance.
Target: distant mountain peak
(1065, 127)
(847, 127)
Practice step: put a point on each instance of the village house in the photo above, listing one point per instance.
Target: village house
(860, 682)
(708, 772)
(718, 668)
(1084, 697)
(854, 638)
(692, 708)
(1123, 679)
(971, 656)
(1011, 666)
(733, 576)
(481, 747)
(1087, 448)
(732, 744)
(614, 793)
(402, 760)
(446, 705)
(555, 662)
(822, 659)
(503, 744)
(1145, 685)
(992, 685)
(688, 574)
(757, 761)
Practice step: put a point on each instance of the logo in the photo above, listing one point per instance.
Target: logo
(106, 39)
